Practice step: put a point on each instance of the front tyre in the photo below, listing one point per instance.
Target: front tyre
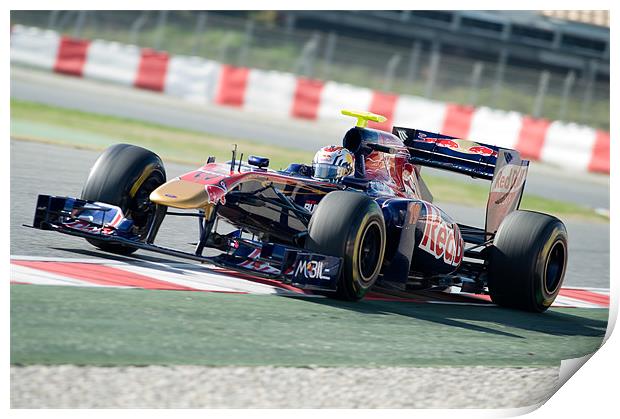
(350, 225)
(527, 262)
(125, 175)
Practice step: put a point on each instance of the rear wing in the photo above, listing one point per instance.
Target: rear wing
(502, 166)
(449, 153)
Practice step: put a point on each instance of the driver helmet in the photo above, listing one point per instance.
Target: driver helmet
(332, 163)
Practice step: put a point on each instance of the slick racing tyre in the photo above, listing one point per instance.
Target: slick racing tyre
(350, 225)
(125, 175)
(527, 261)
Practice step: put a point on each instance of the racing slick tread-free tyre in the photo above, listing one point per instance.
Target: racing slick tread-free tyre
(350, 225)
(125, 175)
(527, 262)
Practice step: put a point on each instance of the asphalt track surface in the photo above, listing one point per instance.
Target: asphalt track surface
(42, 168)
(590, 190)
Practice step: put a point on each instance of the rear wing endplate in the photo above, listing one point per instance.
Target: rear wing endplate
(506, 188)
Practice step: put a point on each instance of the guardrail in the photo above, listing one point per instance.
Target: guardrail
(286, 95)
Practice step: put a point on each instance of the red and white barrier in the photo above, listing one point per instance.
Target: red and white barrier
(232, 86)
(192, 78)
(270, 91)
(307, 98)
(569, 145)
(112, 62)
(383, 104)
(503, 127)
(289, 96)
(419, 112)
(34, 47)
(337, 96)
(532, 137)
(71, 56)
(152, 70)
(457, 122)
(600, 153)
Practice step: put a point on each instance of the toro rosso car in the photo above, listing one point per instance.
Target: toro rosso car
(359, 216)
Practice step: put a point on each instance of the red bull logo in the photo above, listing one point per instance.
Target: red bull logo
(215, 194)
(462, 146)
(441, 142)
(483, 150)
(509, 178)
(440, 239)
(332, 148)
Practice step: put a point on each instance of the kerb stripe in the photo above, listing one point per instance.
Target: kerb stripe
(587, 296)
(102, 275)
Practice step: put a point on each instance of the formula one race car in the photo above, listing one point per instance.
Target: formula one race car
(360, 216)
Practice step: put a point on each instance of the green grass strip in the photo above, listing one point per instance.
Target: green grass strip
(475, 194)
(73, 325)
(53, 124)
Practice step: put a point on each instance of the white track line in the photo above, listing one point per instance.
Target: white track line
(39, 277)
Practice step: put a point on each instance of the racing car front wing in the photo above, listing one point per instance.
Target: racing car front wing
(107, 223)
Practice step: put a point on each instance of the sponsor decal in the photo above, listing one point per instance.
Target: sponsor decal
(216, 194)
(81, 225)
(331, 148)
(310, 205)
(441, 142)
(402, 135)
(509, 178)
(254, 264)
(84, 218)
(311, 269)
(440, 239)
(483, 150)
(456, 144)
(170, 195)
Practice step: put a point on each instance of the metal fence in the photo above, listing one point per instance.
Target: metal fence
(422, 69)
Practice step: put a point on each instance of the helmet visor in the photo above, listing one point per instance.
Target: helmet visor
(327, 171)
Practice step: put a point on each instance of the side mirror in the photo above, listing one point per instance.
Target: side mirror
(258, 161)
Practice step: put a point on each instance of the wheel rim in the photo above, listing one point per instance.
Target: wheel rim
(554, 268)
(369, 251)
(141, 209)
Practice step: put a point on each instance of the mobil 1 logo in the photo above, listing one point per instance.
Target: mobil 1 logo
(314, 271)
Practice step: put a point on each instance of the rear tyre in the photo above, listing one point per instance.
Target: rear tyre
(350, 225)
(125, 175)
(527, 262)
